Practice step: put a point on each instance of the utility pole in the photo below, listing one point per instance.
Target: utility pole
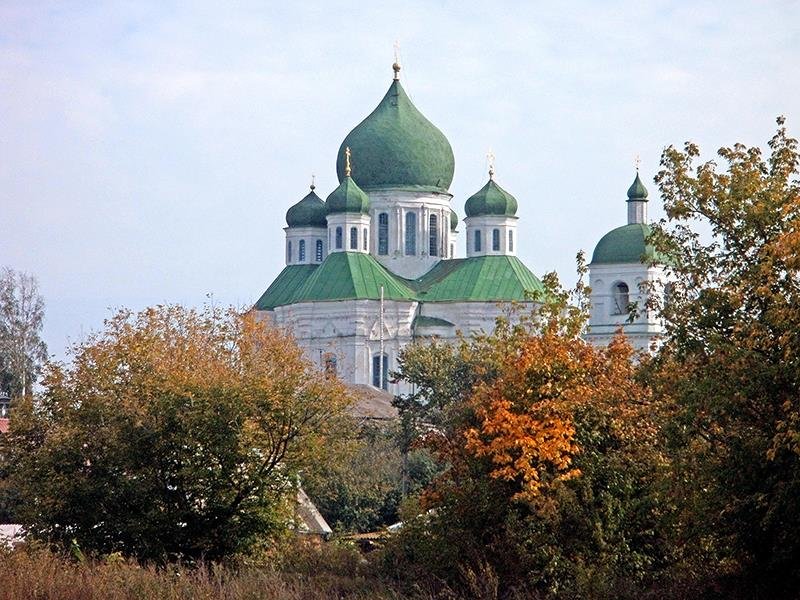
(382, 359)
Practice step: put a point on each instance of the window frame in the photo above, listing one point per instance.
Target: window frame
(433, 235)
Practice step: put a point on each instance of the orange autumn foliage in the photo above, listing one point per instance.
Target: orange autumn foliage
(527, 415)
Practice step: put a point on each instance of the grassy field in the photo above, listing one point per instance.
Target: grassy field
(43, 575)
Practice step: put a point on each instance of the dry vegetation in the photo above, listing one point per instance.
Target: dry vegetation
(40, 574)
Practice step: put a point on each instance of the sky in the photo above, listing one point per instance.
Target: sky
(149, 150)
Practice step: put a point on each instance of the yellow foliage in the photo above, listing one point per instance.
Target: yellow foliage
(527, 414)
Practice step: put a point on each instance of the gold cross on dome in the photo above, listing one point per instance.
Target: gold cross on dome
(313, 182)
(490, 159)
(347, 161)
(637, 161)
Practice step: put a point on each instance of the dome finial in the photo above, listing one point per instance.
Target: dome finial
(637, 161)
(396, 66)
(490, 160)
(313, 182)
(347, 161)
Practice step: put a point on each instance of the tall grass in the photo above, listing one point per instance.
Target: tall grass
(38, 574)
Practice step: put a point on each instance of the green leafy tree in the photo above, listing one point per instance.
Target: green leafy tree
(550, 456)
(172, 434)
(729, 364)
(363, 489)
(22, 351)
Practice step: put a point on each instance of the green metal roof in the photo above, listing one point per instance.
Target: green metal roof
(484, 279)
(422, 321)
(285, 286)
(453, 220)
(637, 191)
(397, 147)
(348, 198)
(626, 244)
(352, 276)
(491, 199)
(358, 276)
(309, 212)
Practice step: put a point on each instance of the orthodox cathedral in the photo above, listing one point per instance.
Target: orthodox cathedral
(373, 266)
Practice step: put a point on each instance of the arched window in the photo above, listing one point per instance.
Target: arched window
(669, 292)
(366, 239)
(621, 296)
(319, 251)
(354, 238)
(339, 238)
(433, 228)
(510, 240)
(380, 377)
(411, 233)
(289, 251)
(383, 234)
(496, 240)
(329, 364)
(477, 244)
(302, 251)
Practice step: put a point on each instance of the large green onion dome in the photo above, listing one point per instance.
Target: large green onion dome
(348, 198)
(453, 220)
(491, 199)
(637, 191)
(309, 212)
(626, 244)
(397, 147)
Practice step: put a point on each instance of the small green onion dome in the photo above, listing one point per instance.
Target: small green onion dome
(397, 147)
(626, 244)
(637, 191)
(309, 212)
(348, 198)
(491, 200)
(453, 220)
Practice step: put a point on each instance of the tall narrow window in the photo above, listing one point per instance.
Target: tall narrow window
(354, 238)
(452, 250)
(510, 240)
(289, 251)
(383, 234)
(621, 298)
(433, 227)
(302, 251)
(496, 240)
(669, 293)
(380, 376)
(339, 238)
(366, 239)
(477, 244)
(319, 251)
(411, 233)
(329, 365)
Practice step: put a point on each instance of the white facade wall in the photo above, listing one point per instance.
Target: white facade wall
(397, 204)
(309, 236)
(606, 317)
(349, 222)
(507, 228)
(349, 330)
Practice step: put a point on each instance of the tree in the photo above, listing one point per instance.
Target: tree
(22, 351)
(172, 434)
(551, 457)
(362, 491)
(729, 364)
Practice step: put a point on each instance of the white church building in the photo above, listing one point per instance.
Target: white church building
(373, 267)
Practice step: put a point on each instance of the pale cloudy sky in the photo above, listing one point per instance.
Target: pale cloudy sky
(149, 150)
